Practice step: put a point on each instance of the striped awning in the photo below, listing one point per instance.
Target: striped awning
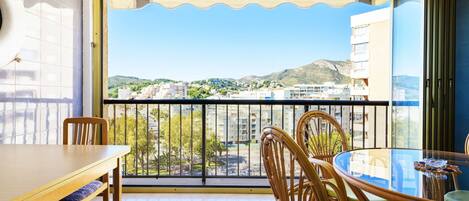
(132, 4)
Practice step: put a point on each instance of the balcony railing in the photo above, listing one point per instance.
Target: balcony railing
(220, 138)
(34, 120)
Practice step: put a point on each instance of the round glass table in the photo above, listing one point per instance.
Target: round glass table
(391, 174)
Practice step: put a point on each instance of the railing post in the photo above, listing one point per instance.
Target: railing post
(203, 143)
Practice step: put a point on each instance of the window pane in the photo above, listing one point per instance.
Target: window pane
(407, 73)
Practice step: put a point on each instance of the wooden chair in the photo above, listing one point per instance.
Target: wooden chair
(85, 131)
(280, 156)
(466, 150)
(321, 137)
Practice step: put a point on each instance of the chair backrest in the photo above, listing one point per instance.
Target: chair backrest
(85, 131)
(467, 145)
(280, 154)
(320, 135)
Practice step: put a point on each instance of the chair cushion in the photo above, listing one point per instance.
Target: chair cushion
(350, 195)
(84, 191)
(457, 195)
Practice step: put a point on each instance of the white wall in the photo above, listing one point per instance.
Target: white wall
(46, 86)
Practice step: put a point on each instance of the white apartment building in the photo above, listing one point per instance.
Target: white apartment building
(370, 56)
(124, 93)
(172, 91)
(158, 91)
(328, 91)
(257, 94)
(371, 72)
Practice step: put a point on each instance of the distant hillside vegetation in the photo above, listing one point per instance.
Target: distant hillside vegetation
(317, 72)
(133, 83)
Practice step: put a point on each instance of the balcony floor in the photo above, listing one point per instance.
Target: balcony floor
(197, 182)
(193, 197)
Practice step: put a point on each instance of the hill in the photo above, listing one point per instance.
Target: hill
(133, 83)
(317, 72)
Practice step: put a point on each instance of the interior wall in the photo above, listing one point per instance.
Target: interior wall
(461, 80)
(462, 73)
(37, 93)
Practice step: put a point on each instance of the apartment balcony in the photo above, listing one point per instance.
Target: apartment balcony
(359, 91)
(362, 38)
(357, 57)
(57, 66)
(359, 73)
(175, 139)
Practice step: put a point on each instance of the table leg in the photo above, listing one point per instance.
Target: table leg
(358, 192)
(117, 182)
(105, 179)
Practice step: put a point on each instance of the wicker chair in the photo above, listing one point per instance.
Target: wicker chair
(321, 137)
(85, 131)
(283, 161)
(467, 145)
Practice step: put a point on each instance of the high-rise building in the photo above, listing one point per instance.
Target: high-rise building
(371, 54)
(371, 73)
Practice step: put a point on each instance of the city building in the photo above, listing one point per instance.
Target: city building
(124, 93)
(371, 55)
(371, 71)
(172, 91)
(325, 91)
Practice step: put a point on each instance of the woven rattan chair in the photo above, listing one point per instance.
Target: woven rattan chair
(291, 175)
(85, 131)
(467, 145)
(321, 137)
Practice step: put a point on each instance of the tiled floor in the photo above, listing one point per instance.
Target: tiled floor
(194, 197)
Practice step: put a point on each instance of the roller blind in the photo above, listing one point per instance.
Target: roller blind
(133, 4)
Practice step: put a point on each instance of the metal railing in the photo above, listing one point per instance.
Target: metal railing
(220, 138)
(33, 120)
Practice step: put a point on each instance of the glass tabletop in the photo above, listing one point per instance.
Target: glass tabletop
(393, 170)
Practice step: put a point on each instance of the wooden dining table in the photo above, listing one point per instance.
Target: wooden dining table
(390, 173)
(51, 172)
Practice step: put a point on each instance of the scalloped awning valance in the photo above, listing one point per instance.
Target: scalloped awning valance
(132, 4)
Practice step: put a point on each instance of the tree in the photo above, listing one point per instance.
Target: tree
(142, 145)
(198, 92)
(183, 138)
(405, 132)
(179, 138)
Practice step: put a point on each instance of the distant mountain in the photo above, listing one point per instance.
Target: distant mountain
(317, 72)
(120, 80)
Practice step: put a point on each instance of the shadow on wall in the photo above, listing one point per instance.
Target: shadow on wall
(46, 86)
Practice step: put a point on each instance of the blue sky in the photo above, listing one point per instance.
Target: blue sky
(188, 43)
